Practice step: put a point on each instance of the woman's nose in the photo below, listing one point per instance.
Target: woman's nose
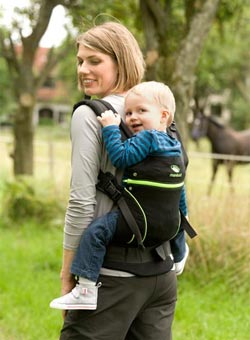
(83, 68)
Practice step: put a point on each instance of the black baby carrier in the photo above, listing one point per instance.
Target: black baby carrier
(148, 199)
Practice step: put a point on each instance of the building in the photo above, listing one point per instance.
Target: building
(53, 102)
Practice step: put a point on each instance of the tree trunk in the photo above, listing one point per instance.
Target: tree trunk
(24, 135)
(171, 59)
(183, 78)
(25, 81)
(151, 41)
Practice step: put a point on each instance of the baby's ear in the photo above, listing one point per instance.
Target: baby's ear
(164, 114)
(165, 117)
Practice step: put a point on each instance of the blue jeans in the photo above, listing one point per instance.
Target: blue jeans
(90, 254)
(177, 245)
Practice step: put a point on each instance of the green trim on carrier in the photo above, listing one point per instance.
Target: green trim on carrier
(154, 184)
(144, 216)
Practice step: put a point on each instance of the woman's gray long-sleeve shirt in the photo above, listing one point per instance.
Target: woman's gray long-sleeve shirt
(87, 158)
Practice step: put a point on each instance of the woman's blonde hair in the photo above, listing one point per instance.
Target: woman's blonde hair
(158, 93)
(118, 42)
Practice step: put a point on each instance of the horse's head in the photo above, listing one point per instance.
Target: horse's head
(199, 127)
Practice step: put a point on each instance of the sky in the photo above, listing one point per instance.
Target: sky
(55, 28)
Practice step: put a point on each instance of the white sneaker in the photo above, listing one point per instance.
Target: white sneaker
(81, 297)
(179, 266)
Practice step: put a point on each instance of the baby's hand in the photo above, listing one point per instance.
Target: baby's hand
(109, 118)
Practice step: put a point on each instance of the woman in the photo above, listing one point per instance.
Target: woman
(138, 293)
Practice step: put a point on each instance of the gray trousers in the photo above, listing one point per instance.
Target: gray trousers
(132, 308)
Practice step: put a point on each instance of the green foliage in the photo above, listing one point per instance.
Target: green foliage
(22, 200)
(7, 100)
(224, 63)
(240, 110)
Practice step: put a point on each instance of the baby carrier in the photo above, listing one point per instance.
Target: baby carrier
(149, 198)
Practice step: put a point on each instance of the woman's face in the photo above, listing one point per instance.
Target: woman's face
(97, 72)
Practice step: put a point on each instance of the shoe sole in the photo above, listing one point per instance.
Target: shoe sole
(73, 307)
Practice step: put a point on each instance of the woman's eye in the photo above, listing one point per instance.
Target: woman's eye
(94, 61)
(79, 62)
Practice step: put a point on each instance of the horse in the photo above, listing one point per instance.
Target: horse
(224, 140)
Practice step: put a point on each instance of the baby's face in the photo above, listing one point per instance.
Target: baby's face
(143, 114)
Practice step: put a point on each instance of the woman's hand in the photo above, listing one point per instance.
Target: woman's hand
(109, 118)
(68, 282)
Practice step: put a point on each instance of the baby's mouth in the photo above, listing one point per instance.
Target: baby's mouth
(135, 126)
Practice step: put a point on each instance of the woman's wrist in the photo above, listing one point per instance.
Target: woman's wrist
(66, 275)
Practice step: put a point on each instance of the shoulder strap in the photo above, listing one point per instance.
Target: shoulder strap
(173, 131)
(99, 106)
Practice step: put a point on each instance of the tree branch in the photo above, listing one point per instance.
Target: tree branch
(31, 42)
(191, 47)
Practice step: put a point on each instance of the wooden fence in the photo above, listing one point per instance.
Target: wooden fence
(53, 157)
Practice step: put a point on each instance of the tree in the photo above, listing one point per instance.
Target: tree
(224, 63)
(174, 37)
(24, 80)
(171, 34)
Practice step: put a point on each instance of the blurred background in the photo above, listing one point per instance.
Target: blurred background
(200, 48)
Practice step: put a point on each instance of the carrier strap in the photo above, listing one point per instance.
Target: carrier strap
(99, 106)
(109, 185)
(187, 226)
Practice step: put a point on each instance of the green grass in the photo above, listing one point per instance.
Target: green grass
(208, 307)
(211, 311)
(214, 291)
(30, 265)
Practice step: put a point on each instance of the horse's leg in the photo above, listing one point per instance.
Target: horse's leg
(230, 165)
(215, 164)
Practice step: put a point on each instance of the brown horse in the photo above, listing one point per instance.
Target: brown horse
(224, 140)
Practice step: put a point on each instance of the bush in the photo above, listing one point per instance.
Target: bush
(22, 199)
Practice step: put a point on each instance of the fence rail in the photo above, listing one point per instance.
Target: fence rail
(209, 155)
(51, 153)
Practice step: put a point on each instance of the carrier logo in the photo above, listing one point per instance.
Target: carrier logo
(175, 168)
(177, 171)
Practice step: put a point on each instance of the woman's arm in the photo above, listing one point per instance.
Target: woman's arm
(85, 164)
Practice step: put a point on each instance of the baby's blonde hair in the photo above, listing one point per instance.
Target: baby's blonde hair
(156, 92)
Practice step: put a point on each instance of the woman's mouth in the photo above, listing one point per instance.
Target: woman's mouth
(87, 82)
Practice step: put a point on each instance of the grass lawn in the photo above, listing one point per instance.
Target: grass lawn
(30, 263)
(214, 291)
(211, 311)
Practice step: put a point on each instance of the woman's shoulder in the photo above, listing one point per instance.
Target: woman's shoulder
(82, 111)
(117, 101)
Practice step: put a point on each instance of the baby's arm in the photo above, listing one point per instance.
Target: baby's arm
(109, 118)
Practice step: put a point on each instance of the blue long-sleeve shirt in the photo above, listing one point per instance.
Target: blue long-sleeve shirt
(138, 147)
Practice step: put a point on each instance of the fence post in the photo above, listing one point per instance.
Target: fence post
(51, 158)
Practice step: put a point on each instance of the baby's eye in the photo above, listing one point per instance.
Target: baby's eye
(142, 109)
(128, 113)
